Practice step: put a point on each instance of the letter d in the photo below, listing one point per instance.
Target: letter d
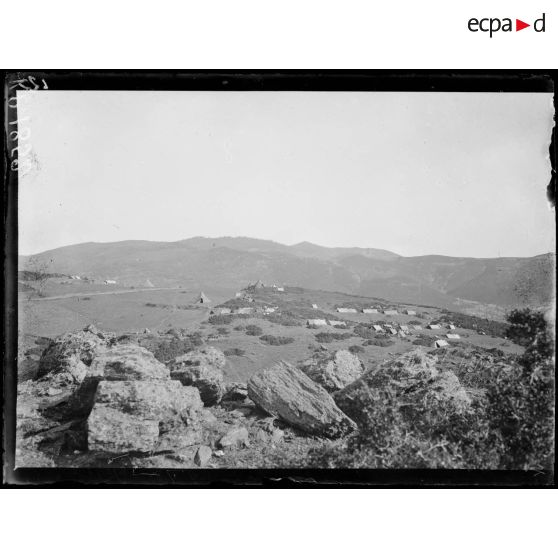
(542, 21)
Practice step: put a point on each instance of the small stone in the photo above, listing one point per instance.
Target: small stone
(203, 455)
(277, 436)
(219, 453)
(234, 438)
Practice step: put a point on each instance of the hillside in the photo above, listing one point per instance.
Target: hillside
(453, 283)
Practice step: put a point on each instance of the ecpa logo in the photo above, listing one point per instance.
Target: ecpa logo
(494, 24)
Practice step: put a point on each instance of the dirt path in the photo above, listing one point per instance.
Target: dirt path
(73, 295)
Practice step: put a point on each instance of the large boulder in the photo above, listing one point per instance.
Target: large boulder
(202, 369)
(334, 372)
(66, 350)
(411, 382)
(122, 407)
(127, 362)
(286, 392)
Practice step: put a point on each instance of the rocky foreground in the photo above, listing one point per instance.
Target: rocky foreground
(100, 401)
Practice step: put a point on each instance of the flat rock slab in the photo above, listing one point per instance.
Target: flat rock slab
(285, 391)
(128, 362)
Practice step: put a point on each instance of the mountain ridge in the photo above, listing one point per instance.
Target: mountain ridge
(235, 261)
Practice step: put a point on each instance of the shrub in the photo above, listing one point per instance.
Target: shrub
(381, 342)
(364, 331)
(276, 340)
(423, 341)
(239, 327)
(220, 319)
(356, 349)
(328, 337)
(222, 331)
(151, 304)
(414, 322)
(252, 329)
(234, 352)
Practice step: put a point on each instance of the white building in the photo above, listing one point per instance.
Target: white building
(315, 306)
(336, 323)
(110, 282)
(453, 336)
(410, 313)
(434, 326)
(390, 312)
(451, 326)
(281, 289)
(378, 328)
(369, 311)
(346, 310)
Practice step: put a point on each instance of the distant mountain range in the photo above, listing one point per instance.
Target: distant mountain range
(234, 262)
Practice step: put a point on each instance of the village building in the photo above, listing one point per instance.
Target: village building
(434, 326)
(453, 336)
(390, 312)
(441, 343)
(336, 323)
(270, 309)
(148, 283)
(346, 310)
(410, 313)
(369, 311)
(238, 295)
(316, 322)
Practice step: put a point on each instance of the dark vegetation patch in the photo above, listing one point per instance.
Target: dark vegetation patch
(424, 341)
(328, 337)
(380, 341)
(355, 349)
(222, 331)
(235, 351)
(490, 327)
(276, 340)
(166, 348)
(252, 329)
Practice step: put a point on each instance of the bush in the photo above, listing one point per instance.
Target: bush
(220, 319)
(276, 340)
(423, 341)
(234, 352)
(511, 428)
(355, 349)
(381, 342)
(239, 327)
(252, 329)
(364, 331)
(284, 319)
(328, 337)
(222, 331)
(414, 322)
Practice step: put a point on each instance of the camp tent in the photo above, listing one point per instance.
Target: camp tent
(316, 322)
(346, 310)
(315, 306)
(369, 311)
(433, 326)
(148, 283)
(202, 298)
(453, 336)
(441, 343)
(336, 323)
(390, 312)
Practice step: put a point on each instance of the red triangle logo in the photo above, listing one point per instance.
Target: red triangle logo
(519, 25)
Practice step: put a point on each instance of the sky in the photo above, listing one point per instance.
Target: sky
(458, 174)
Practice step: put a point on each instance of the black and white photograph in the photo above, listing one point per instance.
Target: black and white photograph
(229, 278)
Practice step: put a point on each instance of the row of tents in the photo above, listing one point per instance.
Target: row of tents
(387, 312)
